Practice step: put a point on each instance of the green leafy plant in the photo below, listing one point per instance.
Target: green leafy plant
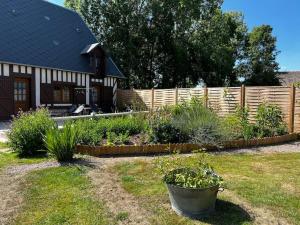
(117, 139)
(28, 130)
(88, 133)
(192, 172)
(61, 142)
(269, 120)
(131, 124)
(200, 124)
(237, 125)
(162, 131)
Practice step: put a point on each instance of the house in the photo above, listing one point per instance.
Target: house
(49, 57)
(289, 77)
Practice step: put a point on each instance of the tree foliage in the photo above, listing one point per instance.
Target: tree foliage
(260, 66)
(170, 43)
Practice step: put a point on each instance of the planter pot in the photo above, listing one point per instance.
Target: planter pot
(193, 203)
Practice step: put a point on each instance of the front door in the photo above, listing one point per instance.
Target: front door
(22, 94)
(95, 96)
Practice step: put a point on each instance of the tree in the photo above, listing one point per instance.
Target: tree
(172, 42)
(73, 4)
(259, 66)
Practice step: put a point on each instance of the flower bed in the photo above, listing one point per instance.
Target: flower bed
(159, 131)
(184, 147)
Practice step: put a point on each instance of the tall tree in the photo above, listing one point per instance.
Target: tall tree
(172, 42)
(73, 4)
(260, 66)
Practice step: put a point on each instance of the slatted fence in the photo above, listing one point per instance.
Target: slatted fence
(223, 100)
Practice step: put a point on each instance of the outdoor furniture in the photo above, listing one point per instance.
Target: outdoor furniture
(57, 112)
(95, 109)
(71, 110)
(78, 111)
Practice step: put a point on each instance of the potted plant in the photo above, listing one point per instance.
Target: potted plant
(192, 184)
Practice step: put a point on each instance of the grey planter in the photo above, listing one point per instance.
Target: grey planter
(193, 203)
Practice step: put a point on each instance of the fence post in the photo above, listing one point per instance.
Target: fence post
(242, 100)
(152, 98)
(205, 97)
(176, 95)
(292, 109)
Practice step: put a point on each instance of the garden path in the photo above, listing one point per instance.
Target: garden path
(12, 180)
(107, 187)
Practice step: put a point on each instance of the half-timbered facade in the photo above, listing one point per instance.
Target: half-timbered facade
(48, 57)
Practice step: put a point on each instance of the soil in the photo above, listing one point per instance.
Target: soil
(107, 187)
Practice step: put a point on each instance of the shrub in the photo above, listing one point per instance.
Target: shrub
(120, 125)
(28, 130)
(91, 131)
(88, 132)
(61, 142)
(117, 139)
(162, 131)
(237, 125)
(269, 121)
(202, 125)
(191, 172)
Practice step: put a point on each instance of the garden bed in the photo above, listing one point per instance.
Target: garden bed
(184, 147)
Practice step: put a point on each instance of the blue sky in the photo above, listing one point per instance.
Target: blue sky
(282, 15)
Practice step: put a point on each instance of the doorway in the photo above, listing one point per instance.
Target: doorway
(21, 94)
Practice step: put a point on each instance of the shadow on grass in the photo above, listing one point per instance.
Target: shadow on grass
(41, 154)
(228, 213)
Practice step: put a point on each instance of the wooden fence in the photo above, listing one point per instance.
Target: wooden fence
(223, 100)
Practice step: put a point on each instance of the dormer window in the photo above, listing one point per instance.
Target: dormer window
(97, 59)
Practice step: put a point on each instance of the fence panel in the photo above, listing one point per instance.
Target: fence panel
(164, 97)
(297, 110)
(275, 95)
(223, 100)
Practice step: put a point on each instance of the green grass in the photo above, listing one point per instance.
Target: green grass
(269, 181)
(60, 196)
(9, 159)
(3, 145)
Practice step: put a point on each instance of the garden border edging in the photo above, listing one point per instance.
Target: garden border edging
(183, 147)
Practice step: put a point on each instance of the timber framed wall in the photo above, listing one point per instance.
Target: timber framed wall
(222, 100)
(42, 83)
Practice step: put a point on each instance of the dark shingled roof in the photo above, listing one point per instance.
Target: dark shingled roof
(39, 33)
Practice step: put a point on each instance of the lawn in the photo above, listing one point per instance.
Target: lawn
(10, 159)
(3, 145)
(267, 181)
(60, 196)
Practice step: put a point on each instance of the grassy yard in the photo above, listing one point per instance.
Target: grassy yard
(60, 196)
(3, 145)
(9, 159)
(269, 181)
(64, 195)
